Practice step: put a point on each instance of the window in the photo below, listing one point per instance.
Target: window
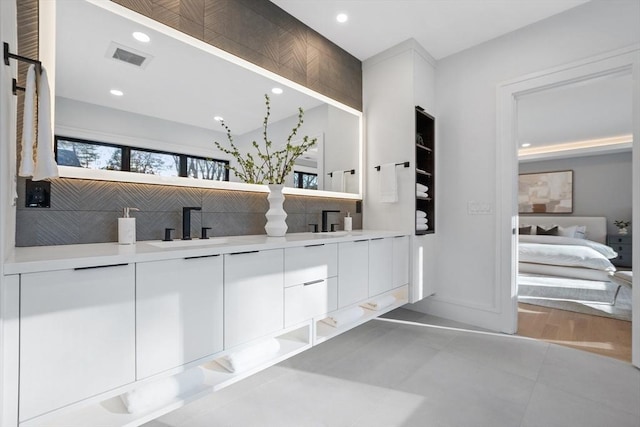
(99, 155)
(305, 180)
(207, 169)
(154, 163)
(88, 155)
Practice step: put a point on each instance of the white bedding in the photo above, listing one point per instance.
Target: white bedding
(562, 271)
(565, 251)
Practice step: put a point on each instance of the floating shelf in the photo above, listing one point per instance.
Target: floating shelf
(113, 413)
(422, 147)
(324, 331)
(421, 172)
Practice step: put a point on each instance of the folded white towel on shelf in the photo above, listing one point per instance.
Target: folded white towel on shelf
(422, 220)
(250, 357)
(421, 214)
(28, 124)
(159, 393)
(380, 303)
(388, 183)
(46, 167)
(422, 195)
(338, 181)
(422, 227)
(344, 317)
(421, 188)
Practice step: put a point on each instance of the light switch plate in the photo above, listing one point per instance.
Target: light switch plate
(479, 208)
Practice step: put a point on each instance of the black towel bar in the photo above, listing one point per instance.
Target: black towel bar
(405, 164)
(350, 172)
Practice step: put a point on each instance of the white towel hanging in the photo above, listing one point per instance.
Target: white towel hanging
(27, 165)
(388, 183)
(46, 167)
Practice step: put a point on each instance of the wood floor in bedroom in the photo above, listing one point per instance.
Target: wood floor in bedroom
(596, 334)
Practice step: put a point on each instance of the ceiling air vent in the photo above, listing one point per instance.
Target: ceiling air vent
(128, 55)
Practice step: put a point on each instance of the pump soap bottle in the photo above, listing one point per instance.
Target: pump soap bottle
(348, 223)
(127, 228)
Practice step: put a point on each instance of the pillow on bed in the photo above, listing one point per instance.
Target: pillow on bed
(577, 231)
(524, 230)
(550, 232)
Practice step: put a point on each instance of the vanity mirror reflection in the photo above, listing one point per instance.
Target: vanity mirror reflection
(160, 98)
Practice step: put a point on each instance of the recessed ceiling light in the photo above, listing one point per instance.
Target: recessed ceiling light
(116, 92)
(342, 18)
(526, 144)
(218, 118)
(276, 90)
(141, 37)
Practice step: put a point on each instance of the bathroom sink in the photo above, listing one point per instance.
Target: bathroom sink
(326, 234)
(188, 243)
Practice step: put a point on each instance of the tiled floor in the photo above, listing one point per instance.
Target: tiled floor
(387, 374)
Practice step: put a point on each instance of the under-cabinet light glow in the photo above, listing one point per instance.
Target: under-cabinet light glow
(116, 92)
(276, 90)
(525, 145)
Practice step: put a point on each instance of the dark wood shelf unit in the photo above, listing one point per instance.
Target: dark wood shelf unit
(425, 166)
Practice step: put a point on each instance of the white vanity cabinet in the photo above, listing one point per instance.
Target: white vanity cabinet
(77, 335)
(353, 272)
(380, 265)
(310, 280)
(253, 295)
(179, 312)
(401, 252)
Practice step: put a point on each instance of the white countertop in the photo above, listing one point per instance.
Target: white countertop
(61, 257)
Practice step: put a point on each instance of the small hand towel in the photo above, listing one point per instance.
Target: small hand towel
(380, 303)
(338, 181)
(46, 167)
(250, 357)
(158, 393)
(421, 221)
(422, 227)
(422, 195)
(421, 214)
(344, 317)
(388, 183)
(421, 188)
(28, 124)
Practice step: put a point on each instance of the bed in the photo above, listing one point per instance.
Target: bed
(565, 259)
(577, 250)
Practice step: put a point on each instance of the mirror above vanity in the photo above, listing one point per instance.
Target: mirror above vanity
(171, 89)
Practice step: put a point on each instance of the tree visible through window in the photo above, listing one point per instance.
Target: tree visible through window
(98, 155)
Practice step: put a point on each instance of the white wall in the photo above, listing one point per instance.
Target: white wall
(90, 121)
(601, 184)
(467, 284)
(8, 320)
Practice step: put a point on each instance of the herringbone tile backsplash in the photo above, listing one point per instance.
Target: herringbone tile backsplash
(86, 211)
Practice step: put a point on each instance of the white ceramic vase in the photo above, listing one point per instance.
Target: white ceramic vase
(276, 225)
(622, 231)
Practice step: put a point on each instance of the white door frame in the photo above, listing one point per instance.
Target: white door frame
(621, 60)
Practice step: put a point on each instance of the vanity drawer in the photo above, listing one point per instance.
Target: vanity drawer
(308, 263)
(302, 302)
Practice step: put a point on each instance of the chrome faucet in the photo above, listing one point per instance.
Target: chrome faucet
(186, 221)
(324, 219)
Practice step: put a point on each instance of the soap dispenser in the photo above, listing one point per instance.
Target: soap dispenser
(127, 228)
(348, 222)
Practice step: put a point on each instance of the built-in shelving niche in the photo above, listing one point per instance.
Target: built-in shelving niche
(425, 167)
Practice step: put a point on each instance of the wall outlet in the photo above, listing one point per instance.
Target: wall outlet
(479, 208)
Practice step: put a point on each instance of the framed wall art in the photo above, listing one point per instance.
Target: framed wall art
(545, 192)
